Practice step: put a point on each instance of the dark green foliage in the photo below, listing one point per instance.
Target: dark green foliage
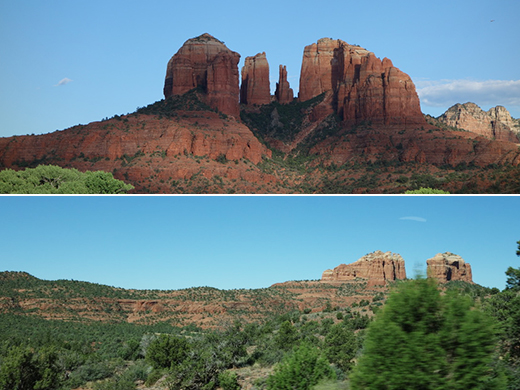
(340, 346)
(228, 380)
(168, 108)
(167, 350)
(23, 369)
(301, 370)
(422, 340)
(50, 179)
(280, 121)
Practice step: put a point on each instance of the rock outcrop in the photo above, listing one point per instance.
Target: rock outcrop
(365, 88)
(284, 93)
(255, 87)
(495, 123)
(447, 266)
(206, 63)
(376, 267)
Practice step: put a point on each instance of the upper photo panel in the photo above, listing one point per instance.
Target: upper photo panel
(234, 98)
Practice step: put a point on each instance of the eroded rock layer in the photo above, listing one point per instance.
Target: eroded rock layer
(376, 267)
(206, 63)
(447, 266)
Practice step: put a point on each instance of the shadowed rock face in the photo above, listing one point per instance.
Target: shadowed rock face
(447, 266)
(365, 88)
(376, 267)
(495, 123)
(207, 63)
(255, 88)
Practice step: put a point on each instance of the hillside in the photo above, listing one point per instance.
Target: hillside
(205, 307)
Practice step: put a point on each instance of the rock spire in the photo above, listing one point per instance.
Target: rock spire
(255, 88)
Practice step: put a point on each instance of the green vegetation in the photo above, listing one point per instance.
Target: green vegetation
(425, 340)
(50, 179)
(424, 191)
(280, 121)
(169, 108)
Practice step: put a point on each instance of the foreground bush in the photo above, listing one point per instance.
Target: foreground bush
(51, 179)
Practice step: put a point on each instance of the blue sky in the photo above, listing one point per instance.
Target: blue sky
(69, 62)
(158, 242)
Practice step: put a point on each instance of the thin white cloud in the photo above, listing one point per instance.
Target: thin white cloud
(445, 93)
(417, 219)
(64, 81)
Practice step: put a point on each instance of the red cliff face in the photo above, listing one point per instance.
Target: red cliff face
(377, 267)
(365, 88)
(284, 93)
(448, 266)
(255, 88)
(207, 63)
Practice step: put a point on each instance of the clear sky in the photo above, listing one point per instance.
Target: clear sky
(69, 62)
(160, 242)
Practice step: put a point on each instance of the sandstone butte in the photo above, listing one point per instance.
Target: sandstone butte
(376, 267)
(363, 87)
(495, 123)
(255, 87)
(447, 266)
(207, 63)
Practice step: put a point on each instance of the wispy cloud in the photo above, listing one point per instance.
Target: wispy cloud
(445, 93)
(417, 219)
(64, 81)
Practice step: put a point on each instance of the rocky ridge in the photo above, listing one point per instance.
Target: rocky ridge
(496, 123)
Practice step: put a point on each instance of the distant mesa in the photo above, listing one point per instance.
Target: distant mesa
(379, 268)
(495, 123)
(447, 266)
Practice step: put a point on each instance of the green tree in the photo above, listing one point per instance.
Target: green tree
(302, 369)
(51, 179)
(424, 340)
(287, 336)
(167, 350)
(340, 346)
(513, 274)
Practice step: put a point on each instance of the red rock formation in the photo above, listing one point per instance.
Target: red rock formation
(207, 63)
(365, 88)
(255, 87)
(284, 93)
(495, 123)
(377, 267)
(448, 266)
